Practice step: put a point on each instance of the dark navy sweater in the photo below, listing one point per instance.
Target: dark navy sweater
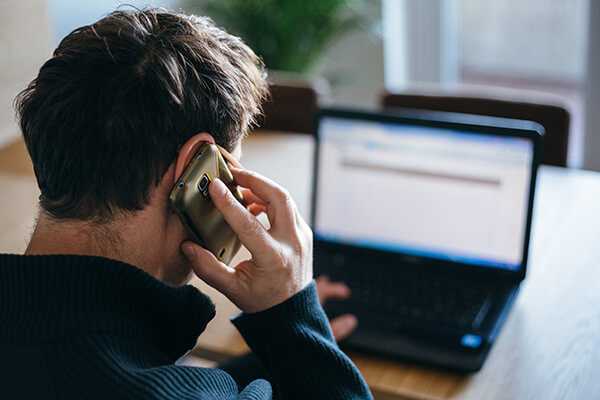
(81, 327)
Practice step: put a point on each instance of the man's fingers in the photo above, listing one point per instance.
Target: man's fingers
(280, 206)
(208, 268)
(331, 290)
(343, 326)
(250, 197)
(245, 225)
(256, 209)
(253, 203)
(321, 281)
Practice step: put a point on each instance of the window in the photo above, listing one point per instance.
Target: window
(535, 44)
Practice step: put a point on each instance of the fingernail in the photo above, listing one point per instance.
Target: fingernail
(188, 251)
(218, 187)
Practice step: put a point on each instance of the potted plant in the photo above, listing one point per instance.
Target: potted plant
(289, 35)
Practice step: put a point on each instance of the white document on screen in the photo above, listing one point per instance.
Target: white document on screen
(424, 191)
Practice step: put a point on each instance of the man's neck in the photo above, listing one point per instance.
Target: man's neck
(111, 240)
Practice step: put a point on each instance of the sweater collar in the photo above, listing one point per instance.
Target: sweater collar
(49, 297)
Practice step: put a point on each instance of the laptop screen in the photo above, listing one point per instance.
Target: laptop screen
(427, 191)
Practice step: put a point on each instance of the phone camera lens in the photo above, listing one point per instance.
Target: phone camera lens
(203, 185)
(180, 185)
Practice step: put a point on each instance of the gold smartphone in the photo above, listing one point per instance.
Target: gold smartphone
(191, 201)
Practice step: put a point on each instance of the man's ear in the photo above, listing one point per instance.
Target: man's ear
(188, 150)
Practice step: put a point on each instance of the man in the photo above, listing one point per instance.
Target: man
(96, 306)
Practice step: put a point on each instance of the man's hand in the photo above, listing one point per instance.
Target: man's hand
(343, 325)
(281, 263)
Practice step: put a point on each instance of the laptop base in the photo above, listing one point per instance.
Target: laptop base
(454, 350)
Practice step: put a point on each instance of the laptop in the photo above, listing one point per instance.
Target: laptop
(426, 217)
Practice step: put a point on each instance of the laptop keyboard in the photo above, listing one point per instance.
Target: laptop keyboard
(407, 298)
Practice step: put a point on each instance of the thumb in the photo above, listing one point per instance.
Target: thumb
(208, 268)
(343, 326)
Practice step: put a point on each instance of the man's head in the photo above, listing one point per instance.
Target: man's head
(106, 116)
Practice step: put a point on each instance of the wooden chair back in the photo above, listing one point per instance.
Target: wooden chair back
(553, 117)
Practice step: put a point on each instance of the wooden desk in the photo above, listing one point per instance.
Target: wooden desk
(549, 347)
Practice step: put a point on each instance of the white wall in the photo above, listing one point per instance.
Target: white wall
(67, 15)
(533, 38)
(25, 42)
(421, 42)
(591, 158)
(354, 67)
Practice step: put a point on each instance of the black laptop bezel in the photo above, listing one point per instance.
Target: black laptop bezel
(454, 121)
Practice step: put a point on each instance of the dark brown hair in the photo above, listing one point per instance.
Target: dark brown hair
(108, 112)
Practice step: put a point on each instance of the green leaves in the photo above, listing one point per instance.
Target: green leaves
(289, 35)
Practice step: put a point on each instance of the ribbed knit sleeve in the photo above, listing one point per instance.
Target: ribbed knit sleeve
(294, 342)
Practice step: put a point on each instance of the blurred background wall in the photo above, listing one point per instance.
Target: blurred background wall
(536, 45)
(26, 40)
